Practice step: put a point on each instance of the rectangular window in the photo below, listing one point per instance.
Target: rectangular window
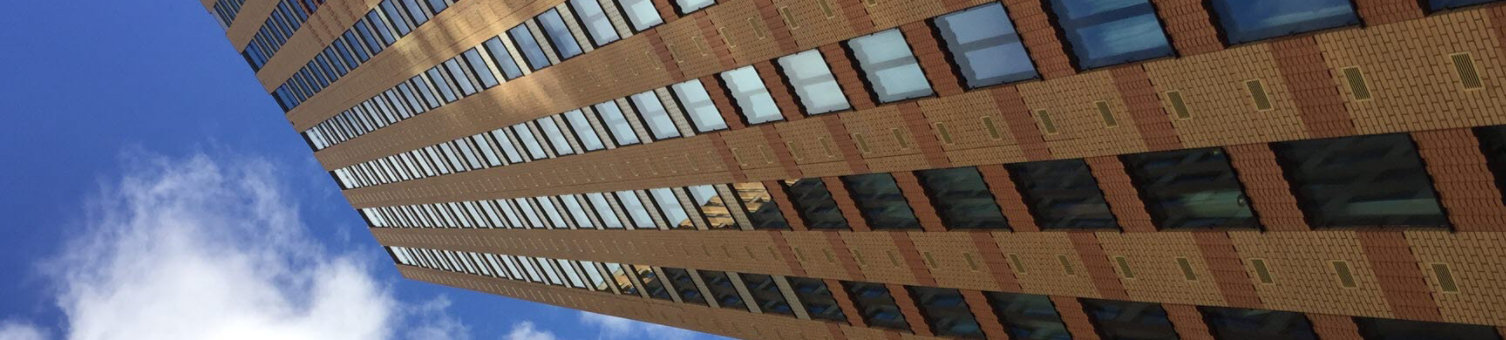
(583, 131)
(809, 74)
(876, 305)
(530, 142)
(1111, 32)
(559, 34)
(962, 198)
(722, 289)
(479, 68)
(419, 13)
(446, 89)
(687, 6)
(762, 211)
(502, 58)
(571, 273)
(946, 311)
(487, 152)
(556, 137)
(616, 123)
(1028, 316)
(879, 199)
(1247, 21)
(1128, 319)
(381, 27)
(1392, 329)
(669, 205)
(752, 98)
(767, 294)
(651, 282)
(526, 207)
(1369, 181)
(1239, 323)
(815, 204)
(655, 117)
(697, 104)
(817, 299)
(399, 21)
(984, 45)
(684, 285)
(641, 13)
(556, 218)
(579, 213)
(890, 66)
(604, 210)
(1194, 188)
(597, 281)
(635, 210)
(712, 207)
(439, 5)
(595, 20)
(522, 37)
(619, 276)
(508, 149)
(460, 76)
(1062, 194)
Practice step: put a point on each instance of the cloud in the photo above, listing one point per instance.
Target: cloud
(200, 248)
(15, 330)
(611, 327)
(524, 331)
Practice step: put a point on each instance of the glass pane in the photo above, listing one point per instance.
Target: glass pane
(532, 52)
(559, 35)
(641, 13)
(762, 211)
(579, 213)
(654, 115)
(478, 66)
(1062, 194)
(684, 285)
(1129, 320)
(556, 137)
(687, 6)
(596, 21)
(697, 104)
(985, 47)
(722, 290)
(816, 206)
(881, 202)
(889, 66)
(876, 305)
(1194, 188)
(1239, 323)
(1028, 316)
(1392, 329)
(753, 99)
(635, 210)
(604, 210)
(1110, 32)
(946, 311)
(767, 294)
(711, 206)
(1364, 181)
(530, 142)
(811, 77)
(817, 299)
(1246, 21)
(962, 198)
(503, 59)
(583, 130)
(670, 206)
(616, 123)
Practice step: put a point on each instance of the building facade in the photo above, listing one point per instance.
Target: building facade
(863, 169)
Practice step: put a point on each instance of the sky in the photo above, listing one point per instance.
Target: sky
(151, 190)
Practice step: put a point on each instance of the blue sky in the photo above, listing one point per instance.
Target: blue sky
(149, 187)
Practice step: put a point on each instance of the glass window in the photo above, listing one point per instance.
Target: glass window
(1194, 188)
(651, 282)
(583, 131)
(556, 137)
(526, 208)
(712, 207)
(815, 204)
(1246, 21)
(889, 66)
(762, 211)
(619, 276)
(556, 219)
(420, 15)
(579, 213)
(1493, 145)
(1110, 32)
(876, 305)
(697, 104)
(684, 285)
(655, 117)
(767, 294)
(604, 210)
(559, 35)
(641, 13)
(817, 299)
(478, 66)
(500, 137)
(753, 99)
(687, 6)
(532, 52)
(985, 46)
(669, 205)
(439, 5)
(616, 123)
(722, 289)
(382, 28)
(1438, 5)
(1028, 316)
(570, 273)
(1392, 329)
(492, 159)
(427, 92)
(1239, 323)
(946, 311)
(1129, 320)
(1369, 181)
(598, 282)
(503, 59)
(811, 77)
(446, 89)
(399, 21)
(635, 210)
(597, 25)
(1062, 194)
(530, 142)
(461, 77)
(881, 202)
(962, 198)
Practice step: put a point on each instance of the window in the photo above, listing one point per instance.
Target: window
(556, 137)
(641, 13)
(559, 35)
(697, 104)
(530, 142)
(762, 211)
(684, 285)
(439, 5)
(962, 198)
(817, 299)
(1391, 329)
(597, 25)
(619, 276)
(723, 290)
(687, 6)
(876, 305)
(503, 59)
(985, 46)
(669, 205)
(583, 130)
(597, 281)
(604, 210)
(651, 282)
(1129, 320)
(399, 21)
(654, 115)
(1246, 21)
(461, 77)
(1193, 188)
(477, 65)
(1062, 194)
(616, 123)
(581, 216)
(532, 52)
(881, 202)
(712, 207)
(1239, 323)
(420, 15)
(1111, 32)
(1028, 316)
(946, 311)
(766, 293)
(815, 204)
(753, 99)
(1376, 180)
(635, 210)
(889, 66)
(1493, 145)
(1438, 5)
(809, 74)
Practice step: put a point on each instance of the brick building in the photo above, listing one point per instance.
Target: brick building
(859, 169)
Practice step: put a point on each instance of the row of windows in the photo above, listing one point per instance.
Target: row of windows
(943, 310)
(1360, 181)
(280, 25)
(379, 28)
(695, 207)
(226, 10)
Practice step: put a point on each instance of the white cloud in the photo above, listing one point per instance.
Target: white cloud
(525, 331)
(199, 248)
(16, 330)
(611, 327)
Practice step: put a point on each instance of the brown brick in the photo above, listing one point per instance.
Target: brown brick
(1188, 322)
(1317, 97)
(1269, 194)
(1122, 196)
(1465, 185)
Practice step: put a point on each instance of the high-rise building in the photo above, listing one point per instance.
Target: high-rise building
(864, 169)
